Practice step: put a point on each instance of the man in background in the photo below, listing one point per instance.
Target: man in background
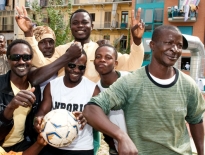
(4, 66)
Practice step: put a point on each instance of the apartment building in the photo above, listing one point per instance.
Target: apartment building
(173, 12)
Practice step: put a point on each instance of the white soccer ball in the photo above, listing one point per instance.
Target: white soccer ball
(59, 128)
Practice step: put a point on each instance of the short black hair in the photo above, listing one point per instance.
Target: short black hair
(80, 10)
(15, 42)
(3, 36)
(157, 33)
(108, 45)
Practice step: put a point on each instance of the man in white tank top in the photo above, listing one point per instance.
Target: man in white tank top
(105, 63)
(70, 92)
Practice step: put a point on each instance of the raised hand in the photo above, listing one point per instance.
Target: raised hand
(24, 23)
(75, 50)
(82, 120)
(138, 27)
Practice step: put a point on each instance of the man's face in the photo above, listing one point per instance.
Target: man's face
(168, 48)
(2, 42)
(47, 47)
(74, 73)
(105, 60)
(22, 67)
(81, 26)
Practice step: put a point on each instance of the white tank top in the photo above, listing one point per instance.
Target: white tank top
(74, 99)
(116, 116)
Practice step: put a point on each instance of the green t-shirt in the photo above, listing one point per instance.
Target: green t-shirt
(155, 114)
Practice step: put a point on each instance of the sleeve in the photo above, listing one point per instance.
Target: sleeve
(132, 61)
(5, 125)
(38, 58)
(113, 98)
(196, 106)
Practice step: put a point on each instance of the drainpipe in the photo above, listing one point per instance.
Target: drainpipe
(197, 64)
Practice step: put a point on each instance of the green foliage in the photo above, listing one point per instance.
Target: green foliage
(54, 16)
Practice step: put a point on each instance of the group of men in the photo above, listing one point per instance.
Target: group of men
(147, 108)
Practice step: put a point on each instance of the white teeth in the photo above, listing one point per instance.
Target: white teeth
(21, 68)
(80, 32)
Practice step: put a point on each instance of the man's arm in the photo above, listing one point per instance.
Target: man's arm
(134, 60)
(42, 74)
(197, 132)
(36, 147)
(45, 107)
(25, 99)
(26, 25)
(98, 120)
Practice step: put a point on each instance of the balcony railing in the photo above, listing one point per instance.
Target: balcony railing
(79, 2)
(175, 15)
(110, 25)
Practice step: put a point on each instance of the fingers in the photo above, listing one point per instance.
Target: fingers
(24, 11)
(32, 89)
(24, 98)
(37, 123)
(81, 119)
(138, 14)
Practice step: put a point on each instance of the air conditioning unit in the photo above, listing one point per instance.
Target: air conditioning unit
(8, 23)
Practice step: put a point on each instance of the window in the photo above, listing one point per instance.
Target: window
(158, 15)
(185, 63)
(123, 43)
(107, 37)
(92, 16)
(107, 22)
(124, 18)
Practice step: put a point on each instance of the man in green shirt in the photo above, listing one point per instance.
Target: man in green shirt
(157, 100)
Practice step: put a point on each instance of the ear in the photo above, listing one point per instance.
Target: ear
(116, 63)
(92, 27)
(151, 44)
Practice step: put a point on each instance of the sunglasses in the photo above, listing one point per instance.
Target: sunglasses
(80, 67)
(17, 57)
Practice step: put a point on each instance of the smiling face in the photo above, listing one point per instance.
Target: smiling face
(105, 60)
(47, 47)
(167, 48)
(73, 76)
(20, 68)
(81, 26)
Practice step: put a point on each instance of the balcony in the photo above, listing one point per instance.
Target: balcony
(100, 2)
(174, 15)
(110, 25)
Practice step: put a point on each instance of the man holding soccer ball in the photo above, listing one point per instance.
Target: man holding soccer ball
(70, 92)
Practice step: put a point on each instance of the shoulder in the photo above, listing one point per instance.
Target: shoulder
(63, 47)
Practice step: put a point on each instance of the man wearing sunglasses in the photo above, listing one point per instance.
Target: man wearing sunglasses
(70, 92)
(81, 26)
(18, 99)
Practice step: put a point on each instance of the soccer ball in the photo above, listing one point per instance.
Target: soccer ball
(59, 128)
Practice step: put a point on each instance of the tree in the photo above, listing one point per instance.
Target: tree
(54, 15)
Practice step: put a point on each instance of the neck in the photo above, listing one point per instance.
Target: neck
(84, 41)
(19, 82)
(70, 84)
(161, 71)
(109, 79)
